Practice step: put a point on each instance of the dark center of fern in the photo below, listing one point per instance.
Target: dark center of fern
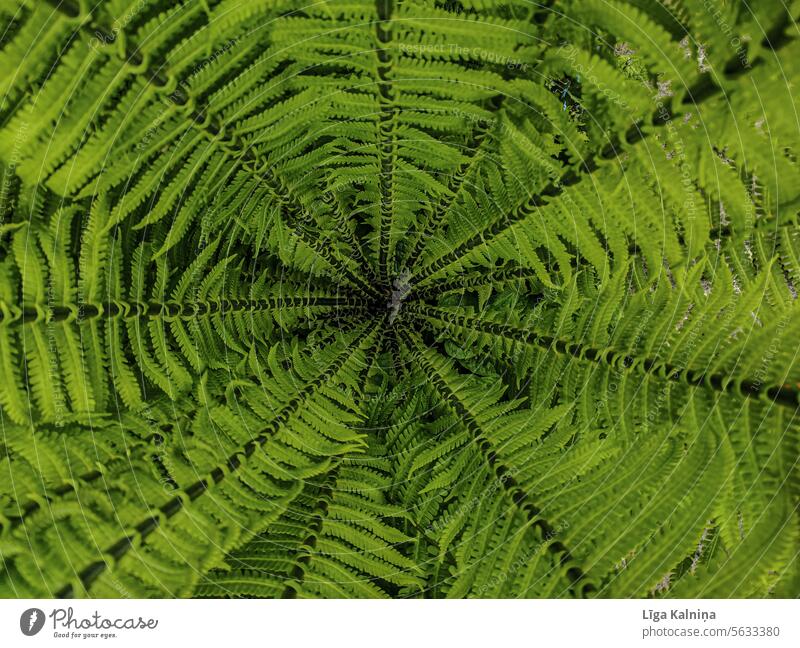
(401, 287)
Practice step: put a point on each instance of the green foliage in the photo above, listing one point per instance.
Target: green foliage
(399, 298)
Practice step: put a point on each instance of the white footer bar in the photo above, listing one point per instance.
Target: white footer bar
(225, 623)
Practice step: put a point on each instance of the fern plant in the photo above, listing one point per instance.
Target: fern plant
(399, 298)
